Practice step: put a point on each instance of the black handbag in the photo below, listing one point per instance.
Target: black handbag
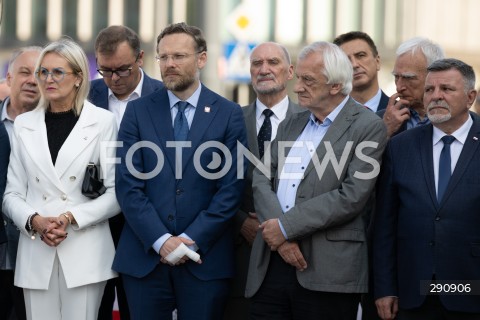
(92, 186)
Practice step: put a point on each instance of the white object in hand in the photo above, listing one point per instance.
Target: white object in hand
(181, 251)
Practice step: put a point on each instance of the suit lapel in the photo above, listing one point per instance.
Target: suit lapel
(251, 124)
(159, 111)
(204, 114)
(34, 137)
(341, 123)
(292, 131)
(84, 133)
(99, 96)
(426, 157)
(466, 156)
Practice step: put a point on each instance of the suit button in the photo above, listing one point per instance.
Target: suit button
(170, 217)
(437, 218)
(432, 243)
(179, 192)
(64, 197)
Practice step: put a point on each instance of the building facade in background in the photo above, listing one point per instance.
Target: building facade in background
(233, 27)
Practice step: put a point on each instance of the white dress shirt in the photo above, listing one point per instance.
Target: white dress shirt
(455, 148)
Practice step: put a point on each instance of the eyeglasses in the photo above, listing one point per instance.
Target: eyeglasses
(177, 58)
(57, 74)
(122, 72)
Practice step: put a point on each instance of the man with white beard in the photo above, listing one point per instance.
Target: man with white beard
(426, 225)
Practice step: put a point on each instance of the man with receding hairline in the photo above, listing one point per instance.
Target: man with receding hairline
(24, 96)
(270, 71)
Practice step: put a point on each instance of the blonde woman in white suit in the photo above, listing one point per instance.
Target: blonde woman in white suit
(65, 250)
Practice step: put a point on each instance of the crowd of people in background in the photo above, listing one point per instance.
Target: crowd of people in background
(339, 197)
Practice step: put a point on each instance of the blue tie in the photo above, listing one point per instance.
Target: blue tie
(180, 125)
(444, 167)
(265, 132)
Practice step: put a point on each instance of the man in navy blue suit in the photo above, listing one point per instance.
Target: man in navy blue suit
(177, 189)
(427, 223)
(119, 60)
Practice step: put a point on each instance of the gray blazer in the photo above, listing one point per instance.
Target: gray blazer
(328, 219)
(242, 248)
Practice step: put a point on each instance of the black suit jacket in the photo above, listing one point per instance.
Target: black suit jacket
(382, 105)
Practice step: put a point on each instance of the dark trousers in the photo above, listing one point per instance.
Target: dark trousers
(432, 309)
(108, 300)
(12, 303)
(155, 296)
(369, 309)
(114, 285)
(281, 297)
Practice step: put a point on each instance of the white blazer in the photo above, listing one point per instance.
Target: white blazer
(34, 184)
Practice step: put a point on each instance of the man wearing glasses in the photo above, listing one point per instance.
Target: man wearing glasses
(176, 249)
(119, 61)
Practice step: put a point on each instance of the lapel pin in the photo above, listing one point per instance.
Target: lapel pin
(475, 138)
(207, 109)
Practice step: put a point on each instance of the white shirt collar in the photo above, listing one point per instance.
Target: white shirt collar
(460, 134)
(137, 93)
(279, 110)
(193, 99)
(373, 103)
(4, 116)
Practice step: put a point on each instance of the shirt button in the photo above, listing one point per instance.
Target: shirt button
(36, 179)
(44, 197)
(287, 207)
(293, 185)
(73, 178)
(64, 197)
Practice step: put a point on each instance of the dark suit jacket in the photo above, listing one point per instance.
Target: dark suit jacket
(4, 159)
(200, 207)
(416, 237)
(98, 94)
(328, 217)
(382, 105)
(242, 247)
